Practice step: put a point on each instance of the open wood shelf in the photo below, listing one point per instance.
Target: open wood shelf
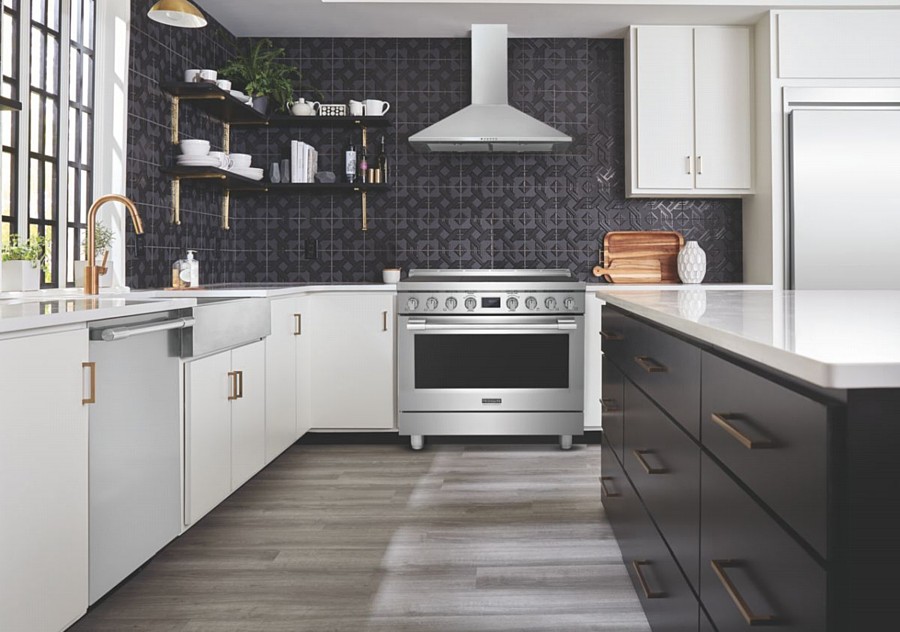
(326, 186)
(227, 179)
(217, 103)
(10, 104)
(287, 120)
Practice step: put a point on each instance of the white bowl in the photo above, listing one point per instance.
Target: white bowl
(241, 161)
(391, 275)
(194, 147)
(224, 84)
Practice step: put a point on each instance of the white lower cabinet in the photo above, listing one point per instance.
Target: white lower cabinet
(287, 375)
(225, 425)
(352, 359)
(43, 481)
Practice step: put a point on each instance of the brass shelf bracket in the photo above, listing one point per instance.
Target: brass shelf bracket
(226, 137)
(175, 108)
(226, 210)
(176, 201)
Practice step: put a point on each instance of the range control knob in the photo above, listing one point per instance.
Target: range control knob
(431, 303)
(450, 303)
(512, 303)
(569, 303)
(550, 303)
(471, 303)
(531, 302)
(412, 304)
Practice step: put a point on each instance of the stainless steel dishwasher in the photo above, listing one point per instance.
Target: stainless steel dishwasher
(135, 442)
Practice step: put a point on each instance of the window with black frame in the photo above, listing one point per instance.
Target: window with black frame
(47, 148)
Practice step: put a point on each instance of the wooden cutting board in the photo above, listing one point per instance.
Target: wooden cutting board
(654, 245)
(632, 271)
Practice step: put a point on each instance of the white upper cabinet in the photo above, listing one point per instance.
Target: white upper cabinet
(690, 116)
(44, 481)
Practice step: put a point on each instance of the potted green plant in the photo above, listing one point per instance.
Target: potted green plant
(103, 239)
(23, 262)
(263, 77)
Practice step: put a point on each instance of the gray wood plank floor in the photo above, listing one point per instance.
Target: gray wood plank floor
(377, 538)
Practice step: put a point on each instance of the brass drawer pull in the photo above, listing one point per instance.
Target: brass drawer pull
(639, 455)
(719, 567)
(609, 405)
(298, 324)
(650, 594)
(611, 335)
(650, 365)
(605, 489)
(92, 398)
(721, 420)
(234, 385)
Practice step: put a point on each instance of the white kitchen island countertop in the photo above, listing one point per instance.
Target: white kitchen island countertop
(831, 338)
(266, 290)
(26, 313)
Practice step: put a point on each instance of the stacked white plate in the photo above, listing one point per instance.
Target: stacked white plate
(197, 161)
(254, 173)
(240, 96)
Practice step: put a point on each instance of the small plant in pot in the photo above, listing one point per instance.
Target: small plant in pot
(103, 239)
(23, 262)
(263, 77)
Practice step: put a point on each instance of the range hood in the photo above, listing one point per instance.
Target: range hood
(490, 124)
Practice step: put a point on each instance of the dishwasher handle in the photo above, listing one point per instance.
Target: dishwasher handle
(121, 333)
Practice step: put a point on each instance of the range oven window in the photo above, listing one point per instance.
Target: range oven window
(492, 361)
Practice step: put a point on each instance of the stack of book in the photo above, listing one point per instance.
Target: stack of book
(304, 162)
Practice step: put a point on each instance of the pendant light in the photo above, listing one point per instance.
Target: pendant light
(180, 13)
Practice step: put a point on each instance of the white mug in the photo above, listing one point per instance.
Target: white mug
(375, 107)
(208, 75)
(192, 75)
(391, 275)
(356, 108)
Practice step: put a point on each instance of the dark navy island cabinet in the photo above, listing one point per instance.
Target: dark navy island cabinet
(742, 497)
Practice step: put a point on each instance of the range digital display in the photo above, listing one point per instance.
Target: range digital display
(490, 301)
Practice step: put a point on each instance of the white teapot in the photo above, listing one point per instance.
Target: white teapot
(302, 107)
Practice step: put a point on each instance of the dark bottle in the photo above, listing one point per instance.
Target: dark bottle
(382, 163)
(363, 164)
(350, 163)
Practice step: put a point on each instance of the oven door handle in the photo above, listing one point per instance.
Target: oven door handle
(422, 324)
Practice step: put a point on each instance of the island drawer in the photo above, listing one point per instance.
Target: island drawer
(752, 573)
(616, 334)
(668, 370)
(620, 503)
(773, 439)
(663, 463)
(612, 403)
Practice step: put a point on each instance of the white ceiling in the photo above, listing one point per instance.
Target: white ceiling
(453, 18)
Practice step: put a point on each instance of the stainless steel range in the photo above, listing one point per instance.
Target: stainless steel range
(490, 352)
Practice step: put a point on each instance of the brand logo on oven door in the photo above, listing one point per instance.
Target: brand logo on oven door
(491, 400)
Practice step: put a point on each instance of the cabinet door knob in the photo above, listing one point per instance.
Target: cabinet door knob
(298, 324)
(234, 385)
(649, 593)
(639, 455)
(92, 383)
(650, 365)
(719, 567)
(722, 420)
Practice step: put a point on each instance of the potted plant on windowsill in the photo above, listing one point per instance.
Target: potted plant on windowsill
(103, 238)
(263, 78)
(23, 262)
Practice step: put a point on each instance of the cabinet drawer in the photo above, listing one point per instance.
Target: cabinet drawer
(663, 463)
(773, 439)
(612, 402)
(751, 571)
(668, 369)
(620, 503)
(668, 602)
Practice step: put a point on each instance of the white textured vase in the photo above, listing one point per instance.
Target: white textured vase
(691, 263)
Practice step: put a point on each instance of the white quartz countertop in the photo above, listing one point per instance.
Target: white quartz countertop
(252, 290)
(831, 338)
(24, 313)
(669, 287)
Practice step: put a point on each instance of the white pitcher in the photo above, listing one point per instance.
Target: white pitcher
(301, 107)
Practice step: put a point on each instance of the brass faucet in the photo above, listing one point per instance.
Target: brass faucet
(92, 271)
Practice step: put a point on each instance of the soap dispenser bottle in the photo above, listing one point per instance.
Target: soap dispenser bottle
(193, 268)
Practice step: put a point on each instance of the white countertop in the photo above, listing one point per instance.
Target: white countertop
(602, 287)
(832, 338)
(274, 290)
(20, 314)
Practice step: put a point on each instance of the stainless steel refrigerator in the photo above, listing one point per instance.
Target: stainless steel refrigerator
(845, 199)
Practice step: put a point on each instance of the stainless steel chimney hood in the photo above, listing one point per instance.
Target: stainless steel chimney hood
(489, 124)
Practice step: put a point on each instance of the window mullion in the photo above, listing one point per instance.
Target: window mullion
(62, 152)
(24, 127)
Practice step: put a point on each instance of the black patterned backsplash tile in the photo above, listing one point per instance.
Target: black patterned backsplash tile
(443, 211)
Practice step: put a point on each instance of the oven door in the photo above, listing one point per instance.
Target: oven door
(491, 363)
